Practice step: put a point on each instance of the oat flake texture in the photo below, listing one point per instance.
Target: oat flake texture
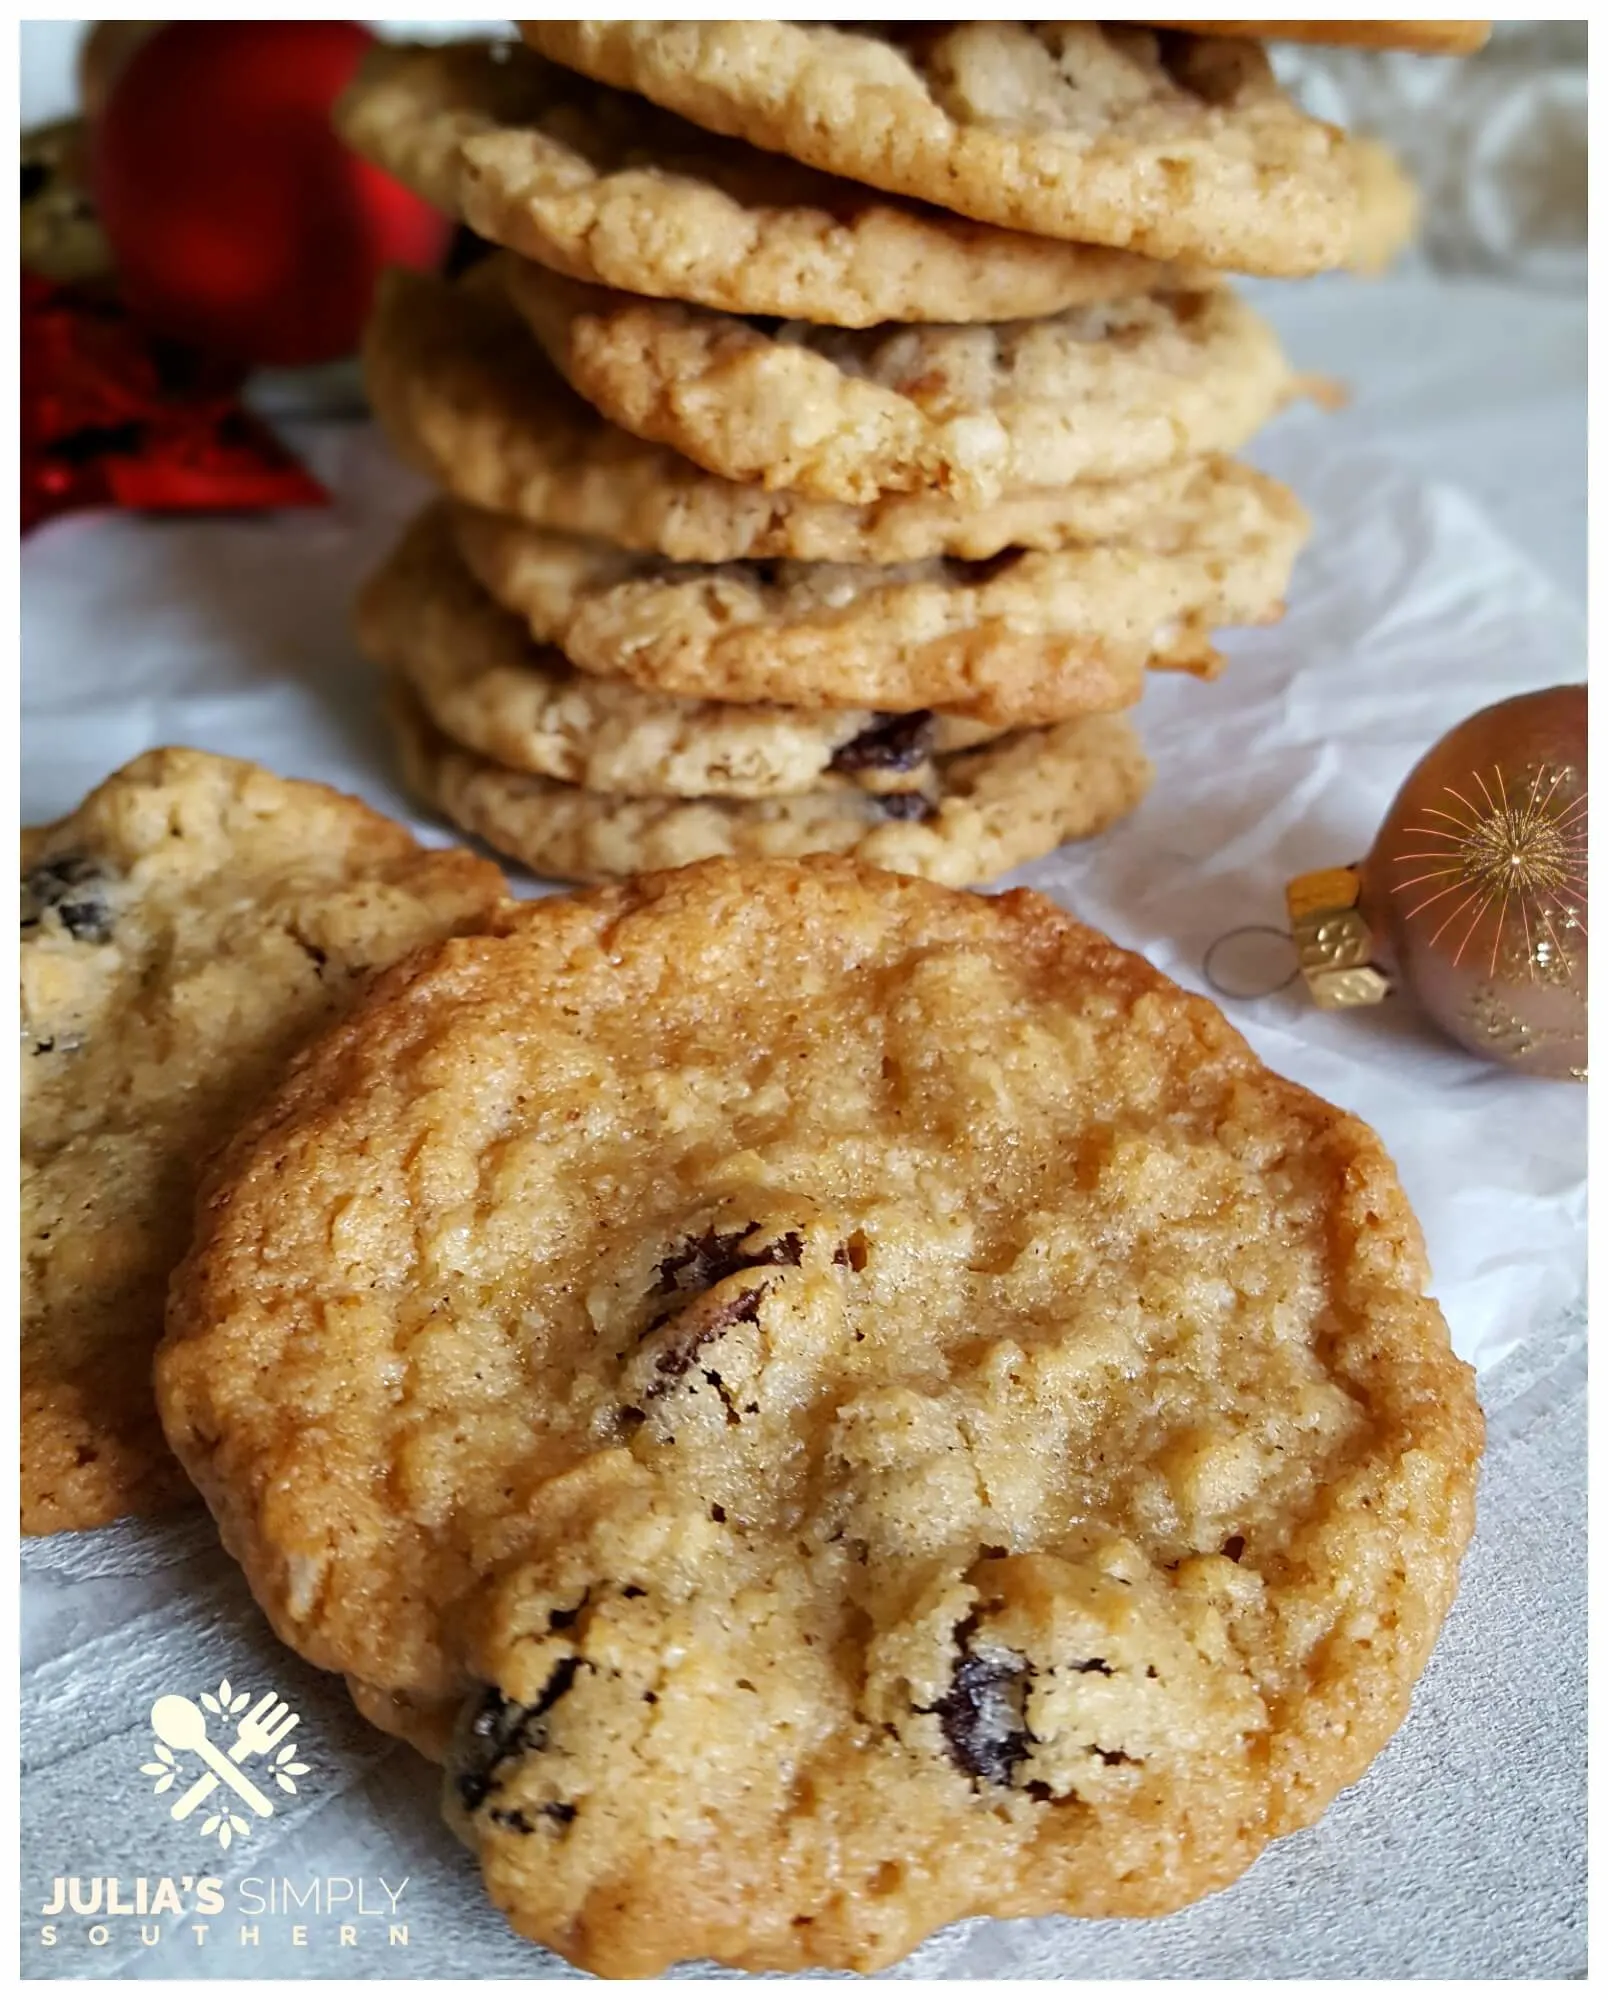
(1027, 637)
(487, 684)
(467, 398)
(972, 815)
(1099, 392)
(1172, 145)
(605, 187)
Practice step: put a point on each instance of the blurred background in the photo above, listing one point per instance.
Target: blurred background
(1497, 144)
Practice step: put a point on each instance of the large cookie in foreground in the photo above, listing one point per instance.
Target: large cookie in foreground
(872, 1402)
(182, 931)
(1171, 145)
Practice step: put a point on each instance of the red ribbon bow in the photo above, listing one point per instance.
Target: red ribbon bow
(112, 417)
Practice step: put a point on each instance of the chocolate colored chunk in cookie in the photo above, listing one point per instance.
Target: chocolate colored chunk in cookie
(75, 891)
(984, 1711)
(892, 743)
(488, 685)
(705, 1259)
(497, 1732)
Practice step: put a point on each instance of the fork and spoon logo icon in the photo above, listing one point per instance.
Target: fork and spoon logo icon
(262, 1729)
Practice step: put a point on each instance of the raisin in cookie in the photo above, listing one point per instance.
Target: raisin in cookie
(873, 1404)
(182, 931)
(977, 814)
(485, 682)
(1170, 145)
(1109, 391)
(1022, 638)
(466, 396)
(605, 187)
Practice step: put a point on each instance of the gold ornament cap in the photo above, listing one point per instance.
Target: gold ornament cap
(1334, 942)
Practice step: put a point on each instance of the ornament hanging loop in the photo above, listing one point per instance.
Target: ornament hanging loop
(1261, 991)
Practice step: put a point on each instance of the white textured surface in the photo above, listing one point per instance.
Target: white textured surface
(1447, 571)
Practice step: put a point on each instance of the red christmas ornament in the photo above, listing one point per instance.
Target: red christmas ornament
(238, 221)
(112, 418)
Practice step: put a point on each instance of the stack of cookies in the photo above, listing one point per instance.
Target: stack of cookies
(839, 429)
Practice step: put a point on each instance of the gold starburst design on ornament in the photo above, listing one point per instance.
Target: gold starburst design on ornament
(1520, 861)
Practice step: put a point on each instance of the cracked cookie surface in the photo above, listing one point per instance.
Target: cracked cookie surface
(1104, 392)
(871, 1404)
(466, 396)
(1171, 145)
(605, 187)
(183, 929)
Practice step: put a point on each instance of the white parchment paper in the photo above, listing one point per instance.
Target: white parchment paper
(1446, 572)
